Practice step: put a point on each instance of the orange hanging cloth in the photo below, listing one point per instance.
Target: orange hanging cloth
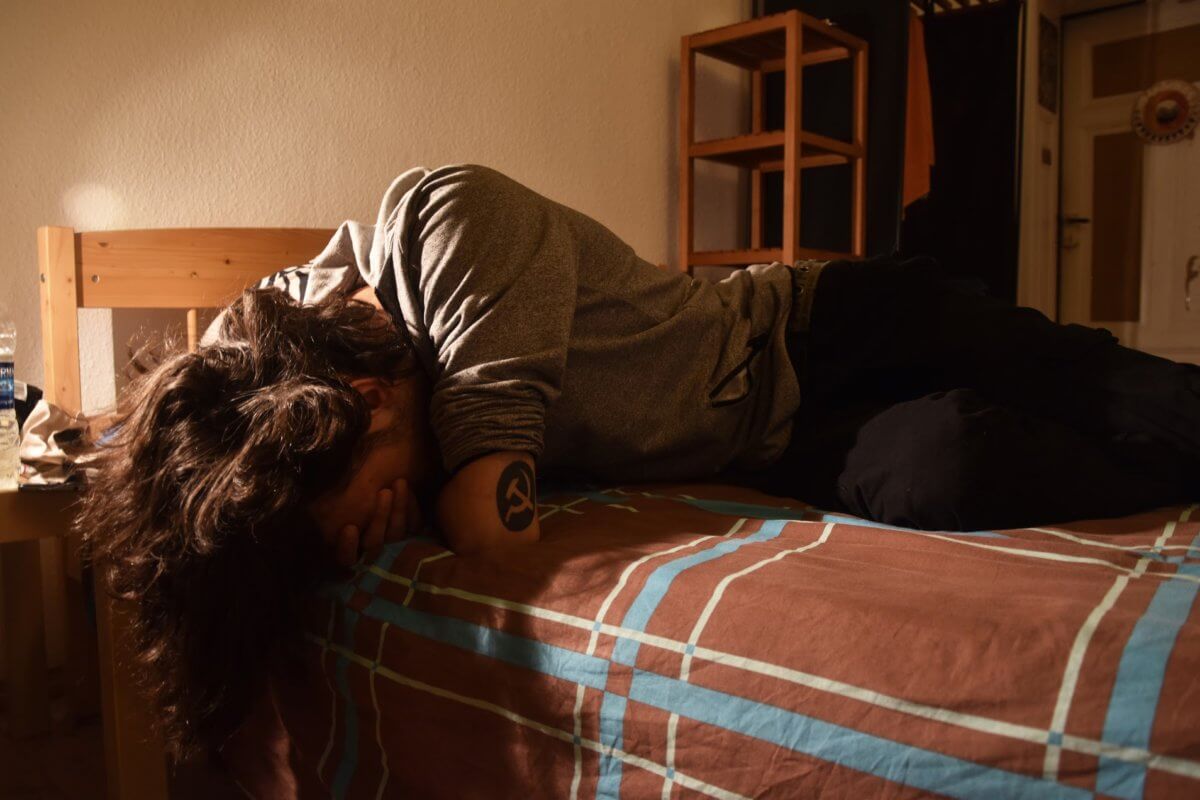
(918, 118)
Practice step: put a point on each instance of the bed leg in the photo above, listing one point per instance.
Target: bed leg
(133, 757)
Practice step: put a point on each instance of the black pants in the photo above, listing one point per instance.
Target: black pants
(930, 405)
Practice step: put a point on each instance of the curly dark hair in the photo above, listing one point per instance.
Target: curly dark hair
(195, 511)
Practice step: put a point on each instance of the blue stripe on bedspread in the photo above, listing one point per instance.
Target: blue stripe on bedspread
(895, 761)
(612, 709)
(1134, 702)
(367, 582)
(520, 651)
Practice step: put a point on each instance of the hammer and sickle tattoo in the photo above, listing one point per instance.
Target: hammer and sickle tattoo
(516, 498)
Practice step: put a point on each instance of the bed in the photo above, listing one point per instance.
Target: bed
(695, 639)
(678, 640)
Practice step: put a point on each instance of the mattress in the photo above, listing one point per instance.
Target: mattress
(704, 639)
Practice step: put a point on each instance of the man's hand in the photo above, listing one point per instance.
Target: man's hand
(396, 515)
(490, 503)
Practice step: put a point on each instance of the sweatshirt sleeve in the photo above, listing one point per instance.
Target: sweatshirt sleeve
(497, 278)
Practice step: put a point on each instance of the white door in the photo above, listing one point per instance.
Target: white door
(1130, 234)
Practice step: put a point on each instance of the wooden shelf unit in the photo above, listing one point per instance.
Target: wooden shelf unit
(786, 43)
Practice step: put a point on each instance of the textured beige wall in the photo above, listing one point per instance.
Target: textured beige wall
(128, 114)
(132, 114)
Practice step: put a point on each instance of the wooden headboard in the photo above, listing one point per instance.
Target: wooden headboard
(187, 268)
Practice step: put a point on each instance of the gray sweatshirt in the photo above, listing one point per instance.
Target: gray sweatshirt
(543, 331)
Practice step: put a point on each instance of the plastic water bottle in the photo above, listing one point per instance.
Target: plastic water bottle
(10, 434)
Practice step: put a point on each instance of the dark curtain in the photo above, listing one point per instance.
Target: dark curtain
(969, 219)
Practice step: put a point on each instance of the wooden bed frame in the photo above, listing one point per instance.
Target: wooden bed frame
(189, 268)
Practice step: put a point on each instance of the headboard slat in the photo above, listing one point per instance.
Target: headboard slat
(60, 319)
(186, 267)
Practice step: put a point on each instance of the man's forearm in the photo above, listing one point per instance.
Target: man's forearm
(489, 503)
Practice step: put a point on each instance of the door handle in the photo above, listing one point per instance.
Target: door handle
(1190, 273)
(1070, 219)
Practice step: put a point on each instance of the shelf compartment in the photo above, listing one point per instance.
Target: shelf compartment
(761, 42)
(807, 162)
(756, 150)
(808, 59)
(816, 144)
(748, 150)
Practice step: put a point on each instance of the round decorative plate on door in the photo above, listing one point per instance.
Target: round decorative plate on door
(1167, 112)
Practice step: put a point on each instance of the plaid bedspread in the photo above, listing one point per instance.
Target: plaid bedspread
(710, 640)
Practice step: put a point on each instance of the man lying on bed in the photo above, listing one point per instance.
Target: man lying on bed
(481, 336)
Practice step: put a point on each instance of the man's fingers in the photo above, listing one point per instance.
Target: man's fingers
(397, 522)
(413, 521)
(379, 520)
(346, 546)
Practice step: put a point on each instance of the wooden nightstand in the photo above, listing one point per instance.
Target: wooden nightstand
(27, 517)
(134, 761)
